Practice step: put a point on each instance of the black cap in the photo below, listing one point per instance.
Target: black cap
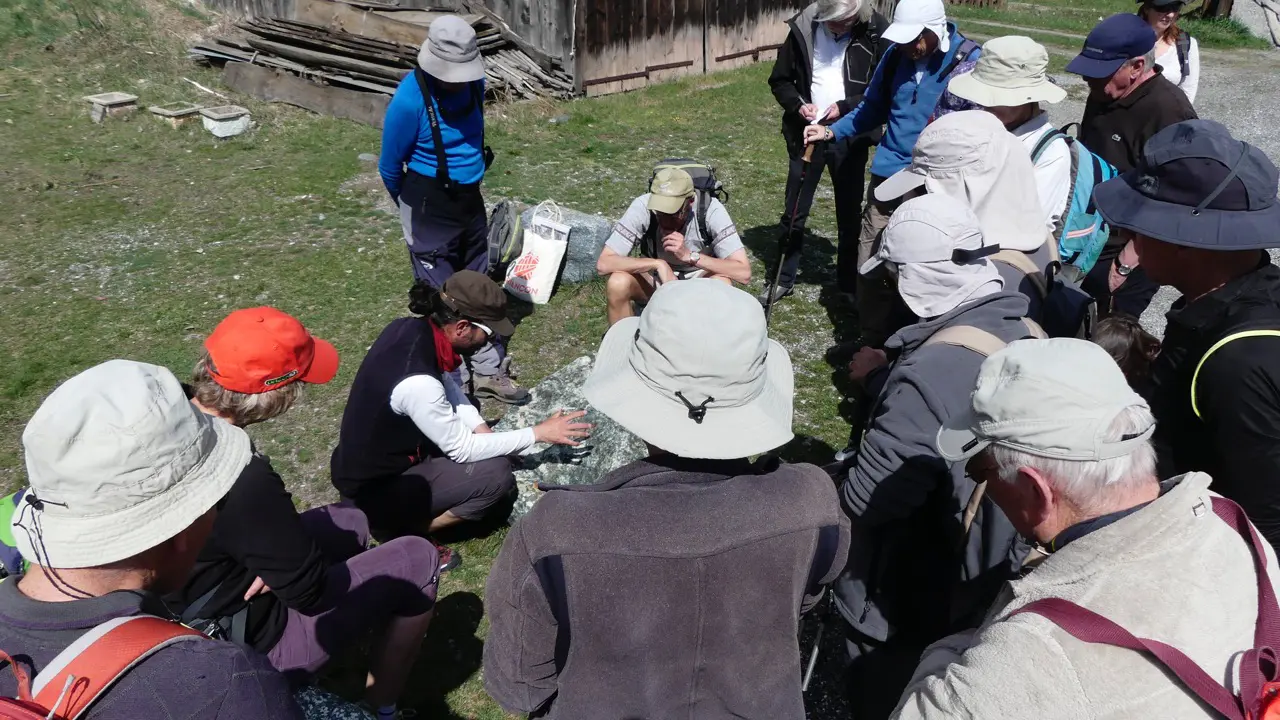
(476, 297)
(1199, 187)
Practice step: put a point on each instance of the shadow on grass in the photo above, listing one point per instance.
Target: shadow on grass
(451, 654)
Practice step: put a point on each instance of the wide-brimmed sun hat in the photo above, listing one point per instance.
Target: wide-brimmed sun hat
(696, 374)
(1011, 71)
(119, 461)
(1199, 187)
(451, 53)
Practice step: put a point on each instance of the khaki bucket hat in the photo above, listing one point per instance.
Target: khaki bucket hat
(1011, 71)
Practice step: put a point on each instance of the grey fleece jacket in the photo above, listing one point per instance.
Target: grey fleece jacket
(671, 589)
(907, 568)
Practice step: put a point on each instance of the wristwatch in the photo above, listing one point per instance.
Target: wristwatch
(694, 257)
(1123, 269)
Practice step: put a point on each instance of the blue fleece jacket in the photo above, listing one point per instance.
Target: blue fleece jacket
(910, 107)
(406, 135)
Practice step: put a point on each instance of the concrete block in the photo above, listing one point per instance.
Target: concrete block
(226, 121)
(111, 104)
(175, 114)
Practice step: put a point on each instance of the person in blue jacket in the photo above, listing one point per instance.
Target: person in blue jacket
(903, 95)
(433, 161)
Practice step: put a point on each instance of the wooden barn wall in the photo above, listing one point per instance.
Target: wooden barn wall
(545, 24)
(636, 42)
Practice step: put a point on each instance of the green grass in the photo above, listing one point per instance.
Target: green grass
(1077, 17)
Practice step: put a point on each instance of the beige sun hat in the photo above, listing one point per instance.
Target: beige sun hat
(1011, 71)
(696, 374)
(119, 461)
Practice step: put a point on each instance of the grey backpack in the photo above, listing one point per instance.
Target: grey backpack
(506, 238)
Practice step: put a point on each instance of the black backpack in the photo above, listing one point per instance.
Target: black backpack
(506, 238)
(705, 185)
(1183, 44)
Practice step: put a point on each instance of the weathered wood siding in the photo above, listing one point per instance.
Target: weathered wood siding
(545, 24)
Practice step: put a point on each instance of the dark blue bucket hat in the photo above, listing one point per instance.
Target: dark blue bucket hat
(1198, 187)
(1112, 43)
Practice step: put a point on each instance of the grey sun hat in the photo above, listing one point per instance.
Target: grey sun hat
(450, 52)
(119, 461)
(696, 374)
(1011, 71)
(1052, 398)
(1199, 187)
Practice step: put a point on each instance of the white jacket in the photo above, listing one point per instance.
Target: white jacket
(1172, 571)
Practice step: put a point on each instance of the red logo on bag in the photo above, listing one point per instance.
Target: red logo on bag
(525, 267)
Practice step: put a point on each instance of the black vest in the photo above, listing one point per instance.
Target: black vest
(375, 442)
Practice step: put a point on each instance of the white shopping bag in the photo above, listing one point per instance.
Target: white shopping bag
(533, 275)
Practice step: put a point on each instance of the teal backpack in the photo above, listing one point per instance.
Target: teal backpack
(1081, 232)
(11, 561)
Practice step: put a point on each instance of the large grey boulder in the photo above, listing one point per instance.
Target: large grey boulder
(609, 448)
(585, 243)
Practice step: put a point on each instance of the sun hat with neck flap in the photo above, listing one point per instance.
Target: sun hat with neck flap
(119, 461)
(696, 375)
(451, 53)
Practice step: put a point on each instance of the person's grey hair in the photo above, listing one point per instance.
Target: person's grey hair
(1090, 485)
(239, 408)
(860, 10)
(1148, 60)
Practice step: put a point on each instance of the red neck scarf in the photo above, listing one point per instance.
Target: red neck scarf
(446, 356)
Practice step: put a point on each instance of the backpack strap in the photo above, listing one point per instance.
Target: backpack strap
(1044, 141)
(1020, 261)
(968, 337)
(442, 161)
(1195, 407)
(1258, 665)
(964, 52)
(88, 667)
(1183, 45)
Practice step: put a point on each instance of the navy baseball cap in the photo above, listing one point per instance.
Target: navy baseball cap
(1112, 43)
(1197, 186)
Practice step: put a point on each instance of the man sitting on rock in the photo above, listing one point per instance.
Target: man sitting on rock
(413, 453)
(685, 569)
(298, 588)
(673, 246)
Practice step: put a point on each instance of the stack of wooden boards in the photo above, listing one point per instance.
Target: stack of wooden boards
(357, 49)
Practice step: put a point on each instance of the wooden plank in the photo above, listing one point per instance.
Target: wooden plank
(359, 22)
(312, 57)
(333, 45)
(476, 6)
(279, 86)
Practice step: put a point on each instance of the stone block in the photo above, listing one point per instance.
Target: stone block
(175, 114)
(111, 104)
(611, 446)
(585, 243)
(226, 121)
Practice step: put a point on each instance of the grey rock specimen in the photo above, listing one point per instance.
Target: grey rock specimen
(367, 157)
(318, 704)
(585, 243)
(609, 448)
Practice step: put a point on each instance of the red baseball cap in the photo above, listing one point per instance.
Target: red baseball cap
(260, 349)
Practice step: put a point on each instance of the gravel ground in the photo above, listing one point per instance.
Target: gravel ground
(1238, 89)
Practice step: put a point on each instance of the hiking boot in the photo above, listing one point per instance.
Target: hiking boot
(449, 558)
(508, 368)
(501, 388)
(779, 292)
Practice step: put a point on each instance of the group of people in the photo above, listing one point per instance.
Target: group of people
(1026, 526)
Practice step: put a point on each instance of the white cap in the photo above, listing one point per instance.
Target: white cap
(1052, 398)
(911, 17)
(119, 461)
(936, 244)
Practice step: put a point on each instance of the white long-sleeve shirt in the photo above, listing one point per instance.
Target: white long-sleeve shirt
(1172, 69)
(441, 411)
(1053, 169)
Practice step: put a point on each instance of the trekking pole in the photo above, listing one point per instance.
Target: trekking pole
(817, 645)
(791, 227)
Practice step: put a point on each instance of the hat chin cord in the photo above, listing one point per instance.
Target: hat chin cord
(1235, 170)
(35, 505)
(697, 413)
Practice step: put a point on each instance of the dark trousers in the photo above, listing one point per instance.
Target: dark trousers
(1131, 298)
(846, 162)
(446, 229)
(879, 672)
(406, 504)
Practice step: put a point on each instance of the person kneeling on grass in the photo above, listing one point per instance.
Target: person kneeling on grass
(673, 244)
(413, 453)
(297, 588)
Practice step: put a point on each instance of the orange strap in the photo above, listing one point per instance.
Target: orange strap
(91, 665)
